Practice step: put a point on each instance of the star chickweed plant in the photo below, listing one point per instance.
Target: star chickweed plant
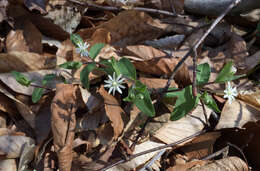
(230, 92)
(138, 93)
(114, 83)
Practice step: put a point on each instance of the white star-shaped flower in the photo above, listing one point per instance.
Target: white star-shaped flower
(230, 93)
(82, 49)
(114, 83)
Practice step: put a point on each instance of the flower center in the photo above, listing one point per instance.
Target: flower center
(229, 92)
(114, 83)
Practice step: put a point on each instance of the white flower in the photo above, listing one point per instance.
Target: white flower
(230, 93)
(82, 48)
(114, 83)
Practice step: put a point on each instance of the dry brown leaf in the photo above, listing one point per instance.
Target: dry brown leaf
(8, 165)
(48, 28)
(226, 164)
(6, 105)
(3, 118)
(65, 14)
(201, 146)
(252, 61)
(26, 37)
(63, 123)
(186, 166)
(251, 96)
(124, 31)
(23, 106)
(138, 161)
(176, 130)
(237, 114)
(156, 83)
(143, 52)
(84, 163)
(66, 50)
(38, 116)
(25, 61)
(164, 66)
(113, 111)
(175, 6)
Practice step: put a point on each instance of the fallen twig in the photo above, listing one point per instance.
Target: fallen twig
(109, 8)
(153, 150)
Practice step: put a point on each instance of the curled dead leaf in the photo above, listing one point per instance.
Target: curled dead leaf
(63, 123)
(113, 111)
(237, 114)
(25, 61)
(164, 66)
(226, 164)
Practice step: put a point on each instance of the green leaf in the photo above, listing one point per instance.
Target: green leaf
(140, 96)
(203, 73)
(48, 78)
(185, 103)
(85, 73)
(108, 67)
(20, 78)
(226, 74)
(76, 39)
(71, 65)
(127, 68)
(95, 49)
(210, 102)
(170, 94)
(37, 94)
(115, 66)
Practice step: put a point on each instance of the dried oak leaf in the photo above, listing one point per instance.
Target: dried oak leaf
(156, 83)
(26, 37)
(201, 146)
(143, 52)
(164, 66)
(186, 166)
(63, 123)
(186, 126)
(237, 114)
(113, 111)
(25, 61)
(226, 164)
(129, 27)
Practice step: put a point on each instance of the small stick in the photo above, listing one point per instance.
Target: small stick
(217, 153)
(153, 150)
(109, 8)
(194, 82)
(205, 113)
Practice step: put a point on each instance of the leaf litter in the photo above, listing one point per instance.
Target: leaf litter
(75, 128)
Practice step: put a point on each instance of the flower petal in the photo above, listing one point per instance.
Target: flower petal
(118, 89)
